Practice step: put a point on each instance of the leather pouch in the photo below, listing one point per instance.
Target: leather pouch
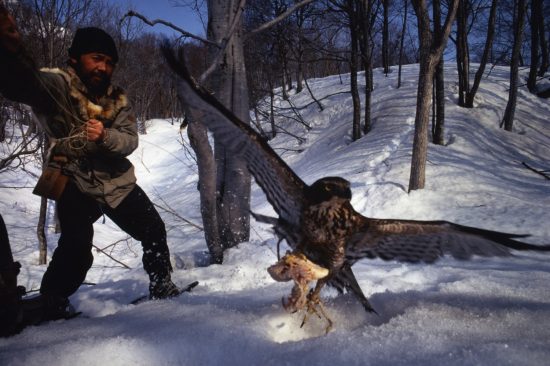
(52, 182)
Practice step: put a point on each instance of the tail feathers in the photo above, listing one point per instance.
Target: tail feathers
(345, 279)
(506, 239)
(265, 219)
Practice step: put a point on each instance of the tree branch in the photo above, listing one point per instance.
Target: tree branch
(110, 256)
(279, 18)
(179, 216)
(152, 23)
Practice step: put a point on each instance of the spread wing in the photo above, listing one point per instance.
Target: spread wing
(427, 241)
(283, 188)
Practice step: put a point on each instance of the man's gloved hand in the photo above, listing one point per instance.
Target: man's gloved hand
(95, 131)
(10, 38)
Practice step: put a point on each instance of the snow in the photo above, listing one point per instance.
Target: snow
(480, 312)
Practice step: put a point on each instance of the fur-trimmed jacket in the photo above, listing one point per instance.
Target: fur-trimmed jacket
(61, 103)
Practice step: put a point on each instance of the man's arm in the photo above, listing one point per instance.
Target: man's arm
(20, 80)
(121, 139)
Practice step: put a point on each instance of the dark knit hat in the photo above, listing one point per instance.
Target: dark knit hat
(91, 39)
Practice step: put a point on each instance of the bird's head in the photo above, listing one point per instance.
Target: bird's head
(327, 188)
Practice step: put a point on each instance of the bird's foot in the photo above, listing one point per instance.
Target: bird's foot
(315, 306)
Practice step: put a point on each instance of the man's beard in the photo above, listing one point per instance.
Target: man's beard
(96, 82)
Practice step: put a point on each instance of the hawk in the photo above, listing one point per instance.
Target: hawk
(326, 235)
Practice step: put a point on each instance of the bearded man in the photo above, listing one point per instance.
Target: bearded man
(92, 130)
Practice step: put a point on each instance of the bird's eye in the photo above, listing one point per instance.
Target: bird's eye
(327, 188)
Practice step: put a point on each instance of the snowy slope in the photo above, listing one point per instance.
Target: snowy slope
(486, 311)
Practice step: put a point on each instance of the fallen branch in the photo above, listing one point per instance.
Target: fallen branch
(321, 108)
(541, 172)
(179, 217)
(170, 210)
(115, 243)
(312, 102)
(110, 256)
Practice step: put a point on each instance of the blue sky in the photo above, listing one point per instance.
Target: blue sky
(169, 10)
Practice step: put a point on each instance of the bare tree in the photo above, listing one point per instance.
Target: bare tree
(535, 22)
(402, 41)
(438, 115)
(385, 37)
(53, 24)
(540, 15)
(224, 179)
(367, 18)
(470, 96)
(351, 10)
(462, 50)
(431, 50)
(519, 23)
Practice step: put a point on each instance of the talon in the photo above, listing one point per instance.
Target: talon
(315, 305)
(304, 320)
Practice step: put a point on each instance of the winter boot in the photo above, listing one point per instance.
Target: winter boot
(162, 288)
(45, 307)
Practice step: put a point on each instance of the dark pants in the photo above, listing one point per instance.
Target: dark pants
(6, 258)
(73, 257)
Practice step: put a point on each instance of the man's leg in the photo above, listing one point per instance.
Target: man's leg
(73, 256)
(11, 315)
(137, 216)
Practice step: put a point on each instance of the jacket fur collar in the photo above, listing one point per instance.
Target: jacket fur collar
(105, 109)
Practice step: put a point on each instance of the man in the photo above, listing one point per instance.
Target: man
(93, 130)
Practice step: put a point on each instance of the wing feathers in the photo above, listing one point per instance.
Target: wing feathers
(282, 187)
(427, 241)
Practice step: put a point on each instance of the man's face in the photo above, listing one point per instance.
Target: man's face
(95, 70)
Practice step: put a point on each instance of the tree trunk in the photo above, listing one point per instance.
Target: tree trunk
(485, 57)
(41, 232)
(439, 100)
(300, 72)
(462, 59)
(431, 50)
(284, 73)
(198, 138)
(402, 43)
(272, 110)
(230, 87)
(508, 119)
(385, 38)
(367, 18)
(536, 6)
(439, 86)
(3, 121)
(57, 223)
(544, 63)
(353, 65)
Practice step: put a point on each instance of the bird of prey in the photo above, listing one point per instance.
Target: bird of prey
(318, 221)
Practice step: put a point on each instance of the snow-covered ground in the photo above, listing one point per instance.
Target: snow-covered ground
(481, 312)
